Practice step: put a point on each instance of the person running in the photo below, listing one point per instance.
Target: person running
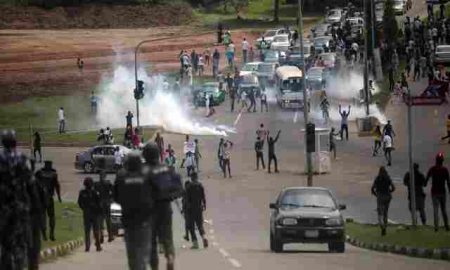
(377, 136)
(387, 145)
(344, 122)
(439, 178)
(332, 141)
(227, 146)
(272, 156)
(382, 189)
(37, 147)
(448, 129)
(389, 130)
(259, 149)
(419, 183)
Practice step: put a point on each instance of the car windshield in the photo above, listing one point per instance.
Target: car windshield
(281, 39)
(443, 49)
(266, 68)
(249, 80)
(270, 33)
(307, 198)
(292, 85)
(271, 54)
(250, 67)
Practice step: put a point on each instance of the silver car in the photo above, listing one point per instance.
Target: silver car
(399, 7)
(315, 78)
(87, 161)
(442, 55)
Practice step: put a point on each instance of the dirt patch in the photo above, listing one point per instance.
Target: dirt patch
(94, 16)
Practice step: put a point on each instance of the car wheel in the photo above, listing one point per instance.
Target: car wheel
(88, 167)
(275, 244)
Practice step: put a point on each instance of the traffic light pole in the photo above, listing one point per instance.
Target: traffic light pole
(136, 78)
(305, 96)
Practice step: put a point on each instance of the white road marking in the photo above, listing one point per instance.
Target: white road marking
(224, 253)
(238, 118)
(235, 263)
(295, 117)
(215, 244)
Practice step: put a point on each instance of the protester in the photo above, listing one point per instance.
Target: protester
(220, 153)
(377, 137)
(245, 47)
(94, 103)
(118, 159)
(105, 190)
(136, 140)
(197, 155)
(272, 156)
(230, 54)
(62, 121)
(419, 183)
(227, 146)
(259, 149)
(129, 118)
(263, 98)
(37, 147)
(170, 159)
(332, 141)
(159, 140)
(388, 147)
(344, 122)
(382, 188)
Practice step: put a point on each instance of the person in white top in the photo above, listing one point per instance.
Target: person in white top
(118, 159)
(207, 103)
(245, 47)
(201, 65)
(62, 121)
(387, 144)
(187, 147)
(227, 146)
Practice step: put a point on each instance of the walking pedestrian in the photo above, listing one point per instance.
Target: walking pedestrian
(48, 179)
(37, 147)
(419, 184)
(129, 118)
(159, 140)
(251, 96)
(207, 104)
(197, 155)
(382, 188)
(388, 147)
(230, 54)
(195, 205)
(194, 61)
(251, 54)
(207, 56)
(377, 137)
(105, 190)
(439, 178)
(245, 46)
(332, 141)
(259, 149)
(344, 122)
(62, 121)
(388, 129)
(448, 129)
(170, 159)
(118, 159)
(264, 101)
(272, 156)
(215, 62)
(220, 153)
(232, 97)
(229, 82)
(89, 202)
(226, 163)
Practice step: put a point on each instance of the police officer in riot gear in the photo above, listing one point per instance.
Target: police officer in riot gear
(89, 202)
(168, 187)
(48, 178)
(16, 197)
(105, 190)
(134, 192)
(195, 205)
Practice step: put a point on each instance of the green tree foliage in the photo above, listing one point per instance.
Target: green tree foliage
(238, 5)
(390, 26)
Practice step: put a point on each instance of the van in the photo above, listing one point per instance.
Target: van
(289, 87)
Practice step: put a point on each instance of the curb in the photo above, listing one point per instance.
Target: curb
(60, 250)
(437, 254)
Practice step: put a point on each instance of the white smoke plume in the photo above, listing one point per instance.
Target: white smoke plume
(161, 109)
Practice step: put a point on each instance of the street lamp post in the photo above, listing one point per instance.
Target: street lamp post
(366, 71)
(305, 96)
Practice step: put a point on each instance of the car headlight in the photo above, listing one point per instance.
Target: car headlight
(288, 221)
(333, 222)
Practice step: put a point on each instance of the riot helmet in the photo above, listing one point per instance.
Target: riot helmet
(133, 162)
(9, 139)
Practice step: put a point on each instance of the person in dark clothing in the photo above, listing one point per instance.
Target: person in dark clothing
(219, 33)
(272, 157)
(129, 118)
(382, 188)
(226, 160)
(251, 96)
(195, 205)
(184, 211)
(389, 130)
(259, 149)
(220, 153)
(332, 142)
(105, 190)
(37, 146)
(89, 202)
(232, 94)
(48, 178)
(439, 178)
(263, 98)
(344, 122)
(419, 183)
(229, 81)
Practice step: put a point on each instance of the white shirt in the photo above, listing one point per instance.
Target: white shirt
(189, 147)
(230, 48)
(387, 140)
(245, 45)
(61, 114)
(118, 157)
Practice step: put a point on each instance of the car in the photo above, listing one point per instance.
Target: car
(272, 56)
(294, 56)
(116, 218)
(442, 55)
(269, 35)
(280, 43)
(323, 29)
(399, 7)
(249, 83)
(266, 74)
(319, 42)
(334, 16)
(87, 161)
(307, 215)
(249, 68)
(315, 78)
(379, 11)
(329, 59)
(355, 21)
(211, 89)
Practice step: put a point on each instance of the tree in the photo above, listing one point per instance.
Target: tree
(238, 6)
(390, 26)
(276, 10)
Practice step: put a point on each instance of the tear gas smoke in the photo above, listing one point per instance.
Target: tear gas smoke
(157, 109)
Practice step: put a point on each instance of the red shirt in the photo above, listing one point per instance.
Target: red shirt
(439, 177)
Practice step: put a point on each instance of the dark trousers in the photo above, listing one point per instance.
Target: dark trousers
(264, 103)
(387, 155)
(106, 218)
(273, 157)
(383, 201)
(62, 126)
(333, 149)
(138, 241)
(260, 156)
(420, 206)
(90, 221)
(34, 248)
(232, 104)
(162, 231)
(443, 138)
(344, 128)
(252, 105)
(225, 165)
(376, 147)
(439, 202)
(221, 162)
(38, 150)
(50, 213)
(195, 220)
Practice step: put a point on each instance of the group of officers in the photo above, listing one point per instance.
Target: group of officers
(144, 189)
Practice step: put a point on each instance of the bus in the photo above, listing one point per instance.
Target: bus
(289, 87)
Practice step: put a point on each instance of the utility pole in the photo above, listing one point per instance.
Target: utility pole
(373, 22)
(366, 71)
(136, 81)
(305, 96)
(412, 190)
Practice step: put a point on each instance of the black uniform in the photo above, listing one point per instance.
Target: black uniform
(105, 190)
(259, 145)
(272, 156)
(48, 178)
(419, 184)
(89, 202)
(195, 205)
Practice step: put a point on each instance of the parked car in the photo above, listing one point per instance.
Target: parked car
(249, 68)
(88, 160)
(399, 7)
(116, 218)
(209, 89)
(249, 83)
(329, 59)
(442, 55)
(315, 78)
(266, 74)
(321, 30)
(272, 56)
(280, 43)
(307, 215)
(379, 11)
(319, 42)
(334, 15)
(269, 35)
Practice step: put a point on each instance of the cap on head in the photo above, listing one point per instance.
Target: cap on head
(9, 138)
(151, 153)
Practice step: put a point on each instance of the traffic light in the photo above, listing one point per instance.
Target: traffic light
(310, 138)
(139, 92)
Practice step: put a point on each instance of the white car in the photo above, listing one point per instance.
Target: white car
(249, 68)
(334, 16)
(280, 43)
(269, 35)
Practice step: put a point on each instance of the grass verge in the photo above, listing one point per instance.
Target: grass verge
(67, 229)
(422, 237)
(382, 98)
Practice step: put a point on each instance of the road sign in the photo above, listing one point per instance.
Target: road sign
(424, 101)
